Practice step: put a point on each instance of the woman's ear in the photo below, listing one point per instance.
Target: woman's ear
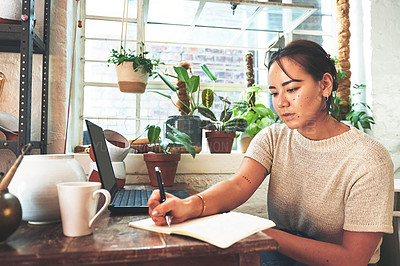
(326, 84)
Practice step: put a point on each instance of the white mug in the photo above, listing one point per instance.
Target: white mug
(78, 205)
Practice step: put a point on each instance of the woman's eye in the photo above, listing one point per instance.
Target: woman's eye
(274, 94)
(292, 90)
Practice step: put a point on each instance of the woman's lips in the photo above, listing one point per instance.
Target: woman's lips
(288, 116)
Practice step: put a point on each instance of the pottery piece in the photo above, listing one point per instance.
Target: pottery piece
(118, 146)
(35, 184)
(119, 172)
(10, 213)
(11, 9)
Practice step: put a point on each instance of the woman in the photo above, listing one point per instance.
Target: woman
(331, 185)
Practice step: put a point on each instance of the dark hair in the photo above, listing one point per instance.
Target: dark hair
(312, 57)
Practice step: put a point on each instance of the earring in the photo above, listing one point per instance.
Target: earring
(326, 98)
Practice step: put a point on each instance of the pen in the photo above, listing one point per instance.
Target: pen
(162, 193)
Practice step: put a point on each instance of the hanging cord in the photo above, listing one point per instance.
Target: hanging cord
(76, 25)
(80, 13)
(124, 24)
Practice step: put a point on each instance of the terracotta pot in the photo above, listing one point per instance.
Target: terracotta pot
(220, 141)
(130, 80)
(168, 163)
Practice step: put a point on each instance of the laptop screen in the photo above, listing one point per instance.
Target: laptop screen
(102, 157)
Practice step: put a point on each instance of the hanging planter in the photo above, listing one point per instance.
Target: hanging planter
(130, 80)
(133, 69)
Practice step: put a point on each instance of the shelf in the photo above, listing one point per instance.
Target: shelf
(21, 38)
(10, 39)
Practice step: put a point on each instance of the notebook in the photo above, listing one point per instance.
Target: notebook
(122, 200)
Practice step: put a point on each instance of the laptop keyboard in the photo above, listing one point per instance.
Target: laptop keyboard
(132, 198)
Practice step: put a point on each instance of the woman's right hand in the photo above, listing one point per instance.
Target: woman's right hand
(179, 209)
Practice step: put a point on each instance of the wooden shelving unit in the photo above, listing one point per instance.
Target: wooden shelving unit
(22, 39)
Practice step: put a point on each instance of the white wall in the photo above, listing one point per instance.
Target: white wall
(375, 61)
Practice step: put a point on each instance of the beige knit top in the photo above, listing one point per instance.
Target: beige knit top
(320, 188)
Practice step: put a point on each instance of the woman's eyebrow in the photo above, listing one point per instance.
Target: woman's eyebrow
(290, 81)
(286, 83)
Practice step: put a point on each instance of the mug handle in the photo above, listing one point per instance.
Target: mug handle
(103, 208)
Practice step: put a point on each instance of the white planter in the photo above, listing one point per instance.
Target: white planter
(130, 80)
(35, 184)
(11, 9)
(118, 146)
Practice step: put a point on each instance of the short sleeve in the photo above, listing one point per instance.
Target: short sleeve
(369, 204)
(261, 148)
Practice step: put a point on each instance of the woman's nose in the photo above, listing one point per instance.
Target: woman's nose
(282, 101)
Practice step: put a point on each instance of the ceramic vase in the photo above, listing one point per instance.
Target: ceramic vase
(10, 214)
(35, 185)
(119, 172)
(10, 11)
(118, 146)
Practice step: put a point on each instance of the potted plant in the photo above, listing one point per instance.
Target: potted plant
(160, 154)
(189, 98)
(257, 116)
(223, 130)
(356, 115)
(133, 70)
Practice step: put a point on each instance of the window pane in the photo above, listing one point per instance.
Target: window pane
(327, 42)
(108, 29)
(100, 72)
(109, 8)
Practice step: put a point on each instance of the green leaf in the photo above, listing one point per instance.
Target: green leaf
(207, 98)
(225, 115)
(165, 95)
(181, 138)
(240, 105)
(194, 82)
(182, 73)
(153, 134)
(208, 72)
(168, 83)
(207, 113)
(237, 124)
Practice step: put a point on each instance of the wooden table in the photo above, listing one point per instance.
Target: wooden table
(114, 242)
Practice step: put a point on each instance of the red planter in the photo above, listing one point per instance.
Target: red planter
(220, 141)
(168, 163)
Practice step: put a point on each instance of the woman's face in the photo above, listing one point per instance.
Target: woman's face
(299, 100)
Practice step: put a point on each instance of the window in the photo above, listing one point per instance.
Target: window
(213, 32)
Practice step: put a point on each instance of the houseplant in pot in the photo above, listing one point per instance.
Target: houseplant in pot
(160, 155)
(257, 116)
(357, 112)
(133, 70)
(187, 99)
(222, 131)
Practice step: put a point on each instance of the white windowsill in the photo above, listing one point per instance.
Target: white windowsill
(202, 164)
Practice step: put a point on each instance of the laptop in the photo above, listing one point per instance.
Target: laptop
(122, 200)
